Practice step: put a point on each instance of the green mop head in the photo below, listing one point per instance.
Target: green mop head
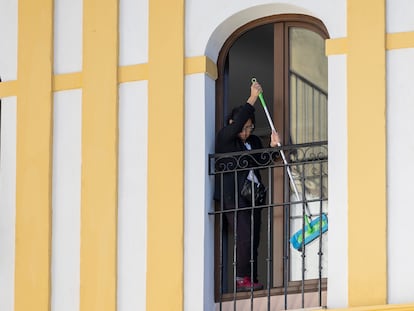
(312, 231)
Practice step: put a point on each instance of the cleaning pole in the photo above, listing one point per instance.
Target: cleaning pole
(313, 227)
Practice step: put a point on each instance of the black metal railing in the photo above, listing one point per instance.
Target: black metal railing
(304, 270)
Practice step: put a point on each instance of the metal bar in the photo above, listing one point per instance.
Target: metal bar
(320, 253)
(235, 236)
(252, 237)
(221, 290)
(297, 110)
(303, 235)
(269, 237)
(313, 114)
(286, 262)
(303, 121)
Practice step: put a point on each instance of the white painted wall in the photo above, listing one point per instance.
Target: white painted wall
(400, 171)
(7, 202)
(400, 152)
(133, 32)
(198, 227)
(133, 142)
(66, 198)
(207, 38)
(66, 175)
(8, 40)
(68, 36)
(338, 183)
(399, 16)
(132, 196)
(8, 72)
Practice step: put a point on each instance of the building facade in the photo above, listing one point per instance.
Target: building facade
(108, 114)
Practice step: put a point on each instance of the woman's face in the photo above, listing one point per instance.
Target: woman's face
(246, 130)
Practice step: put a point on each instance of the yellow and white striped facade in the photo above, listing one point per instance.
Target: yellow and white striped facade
(107, 118)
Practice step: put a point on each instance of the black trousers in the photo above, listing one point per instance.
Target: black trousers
(247, 242)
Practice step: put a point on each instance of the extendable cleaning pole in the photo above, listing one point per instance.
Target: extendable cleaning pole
(313, 228)
(295, 189)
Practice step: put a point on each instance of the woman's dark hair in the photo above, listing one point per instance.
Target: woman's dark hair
(235, 111)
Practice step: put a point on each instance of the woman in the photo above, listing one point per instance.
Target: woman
(234, 137)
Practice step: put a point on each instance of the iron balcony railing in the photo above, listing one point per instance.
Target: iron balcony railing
(304, 270)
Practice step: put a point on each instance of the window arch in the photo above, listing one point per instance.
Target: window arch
(286, 55)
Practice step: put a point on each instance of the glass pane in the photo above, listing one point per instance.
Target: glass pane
(308, 86)
(308, 78)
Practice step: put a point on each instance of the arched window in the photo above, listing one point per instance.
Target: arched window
(286, 54)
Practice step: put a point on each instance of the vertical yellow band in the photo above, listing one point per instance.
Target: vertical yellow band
(165, 155)
(367, 153)
(34, 155)
(99, 156)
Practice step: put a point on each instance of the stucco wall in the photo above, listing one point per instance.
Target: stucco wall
(400, 152)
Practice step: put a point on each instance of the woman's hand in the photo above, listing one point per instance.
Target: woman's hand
(274, 139)
(255, 90)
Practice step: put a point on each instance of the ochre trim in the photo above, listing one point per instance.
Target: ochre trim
(336, 46)
(67, 81)
(165, 209)
(34, 156)
(201, 64)
(367, 204)
(401, 40)
(99, 184)
(133, 73)
(198, 64)
(402, 307)
(394, 41)
(8, 88)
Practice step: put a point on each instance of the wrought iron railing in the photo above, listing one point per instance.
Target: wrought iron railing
(304, 270)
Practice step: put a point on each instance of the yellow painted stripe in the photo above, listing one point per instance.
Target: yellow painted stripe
(201, 64)
(133, 73)
(67, 81)
(336, 46)
(399, 307)
(99, 156)
(367, 232)
(211, 69)
(34, 155)
(165, 156)
(400, 40)
(8, 88)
